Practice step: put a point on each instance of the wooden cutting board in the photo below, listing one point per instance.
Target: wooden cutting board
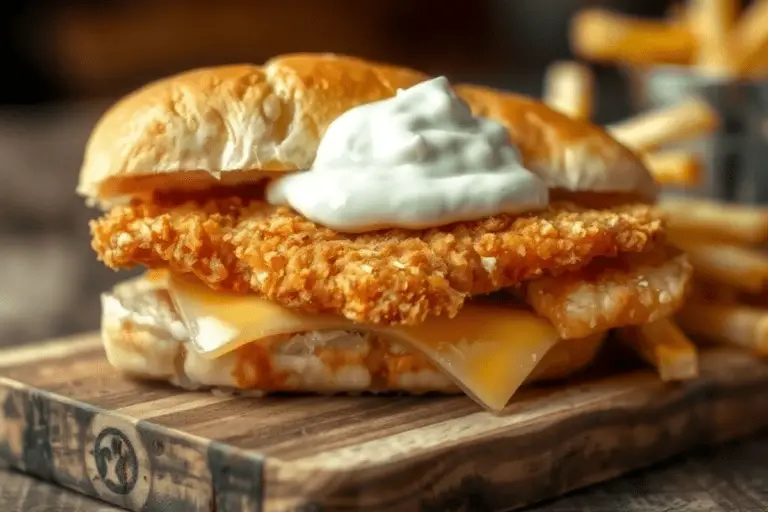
(68, 417)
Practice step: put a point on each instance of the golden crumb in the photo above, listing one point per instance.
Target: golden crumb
(632, 289)
(385, 277)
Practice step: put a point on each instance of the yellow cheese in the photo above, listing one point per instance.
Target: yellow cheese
(488, 350)
(221, 322)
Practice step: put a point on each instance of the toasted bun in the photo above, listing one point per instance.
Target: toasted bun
(237, 124)
(567, 154)
(213, 122)
(156, 355)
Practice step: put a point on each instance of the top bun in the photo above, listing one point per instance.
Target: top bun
(238, 124)
(567, 154)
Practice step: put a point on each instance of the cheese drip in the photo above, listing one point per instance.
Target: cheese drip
(487, 350)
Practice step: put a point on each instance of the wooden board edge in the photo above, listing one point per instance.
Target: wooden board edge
(512, 468)
(131, 463)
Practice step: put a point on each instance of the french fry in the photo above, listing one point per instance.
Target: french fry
(662, 344)
(740, 267)
(690, 118)
(748, 41)
(740, 224)
(759, 67)
(604, 36)
(711, 21)
(568, 89)
(677, 168)
(727, 323)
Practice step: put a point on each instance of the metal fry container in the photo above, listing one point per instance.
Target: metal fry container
(735, 157)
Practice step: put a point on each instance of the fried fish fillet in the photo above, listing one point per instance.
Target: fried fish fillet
(632, 289)
(384, 277)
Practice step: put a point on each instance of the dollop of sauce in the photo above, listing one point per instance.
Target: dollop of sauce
(417, 160)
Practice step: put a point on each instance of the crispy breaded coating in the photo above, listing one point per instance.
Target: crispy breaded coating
(384, 277)
(629, 290)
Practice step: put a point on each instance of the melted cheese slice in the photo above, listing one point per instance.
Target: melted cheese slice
(487, 350)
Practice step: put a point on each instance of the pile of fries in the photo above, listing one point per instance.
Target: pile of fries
(711, 36)
(729, 300)
(569, 87)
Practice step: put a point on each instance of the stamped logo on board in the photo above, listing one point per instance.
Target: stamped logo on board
(117, 462)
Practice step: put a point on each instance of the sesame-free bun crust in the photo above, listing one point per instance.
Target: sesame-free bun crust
(239, 124)
(216, 122)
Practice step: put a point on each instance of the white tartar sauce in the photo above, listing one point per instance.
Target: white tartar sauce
(417, 160)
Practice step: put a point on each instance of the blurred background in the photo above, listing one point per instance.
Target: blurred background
(64, 62)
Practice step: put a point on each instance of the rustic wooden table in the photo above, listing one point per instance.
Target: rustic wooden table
(49, 287)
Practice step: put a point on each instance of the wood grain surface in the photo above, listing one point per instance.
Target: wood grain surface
(69, 418)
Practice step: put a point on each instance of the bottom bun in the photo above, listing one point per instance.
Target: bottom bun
(144, 337)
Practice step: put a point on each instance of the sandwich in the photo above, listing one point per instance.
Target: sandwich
(325, 224)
